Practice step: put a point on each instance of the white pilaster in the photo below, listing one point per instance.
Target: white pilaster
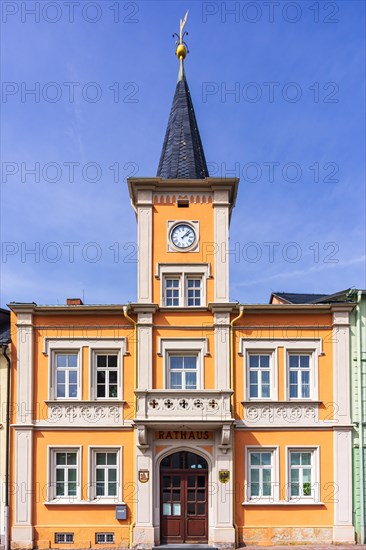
(222, 531)
(144, 220)
(22, 532)
(343, 530)
(222, 350)
(25, 369)
(221, 235)
(144, 343)
(143, 533)
(341, 371)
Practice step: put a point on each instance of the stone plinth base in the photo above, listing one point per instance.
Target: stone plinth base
(344, 534)
(22, 537)
(143, 537)
(278, 536)
(222, 537)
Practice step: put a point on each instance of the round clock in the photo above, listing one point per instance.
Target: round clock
(183, 235)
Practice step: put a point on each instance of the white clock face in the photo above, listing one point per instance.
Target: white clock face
(183, 236)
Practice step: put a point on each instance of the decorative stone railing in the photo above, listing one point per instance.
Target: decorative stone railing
(281, 413)
(85, 413)
(199, 405)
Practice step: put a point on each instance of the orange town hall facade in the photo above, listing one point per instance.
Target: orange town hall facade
(183, 417)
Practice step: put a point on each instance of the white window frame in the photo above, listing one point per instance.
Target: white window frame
(67, 371)
(187, 289)
(302, 347)
(107, 345)
(271, 369)
(182, 290)
(93, 374)
(183, 272)
(93, 497)
(315, 468)
(183, 346)
(53, 346)
(51, 477)
(53, 372)
(70, 345)
(275, 496)
(183, 371)
(257, 347)
(311, 346)
(299, 370)
(167, 278)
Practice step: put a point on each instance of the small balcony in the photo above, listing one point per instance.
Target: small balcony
(211, 406)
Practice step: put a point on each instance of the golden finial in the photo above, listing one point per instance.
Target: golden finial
(181, 49)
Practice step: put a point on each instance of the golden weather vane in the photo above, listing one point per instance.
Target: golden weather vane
(182, 48)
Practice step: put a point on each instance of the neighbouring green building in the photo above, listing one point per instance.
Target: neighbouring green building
(358, 387)
(358, 407)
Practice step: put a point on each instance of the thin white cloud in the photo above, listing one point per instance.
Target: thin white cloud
(302, 272)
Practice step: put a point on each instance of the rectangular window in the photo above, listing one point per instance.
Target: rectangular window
(106, 473)
(194, 292)
(63, 538)
(182, 290)
(301, 474)
(183, 372)
(260, 474)
(104, 538)
(299, 376)
(66, 368)
(107, 375)
(259, 376)
(66, 474)
(172, 292)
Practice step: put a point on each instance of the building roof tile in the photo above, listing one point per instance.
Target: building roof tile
(182, 156)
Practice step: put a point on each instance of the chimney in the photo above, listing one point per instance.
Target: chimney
(74, 302)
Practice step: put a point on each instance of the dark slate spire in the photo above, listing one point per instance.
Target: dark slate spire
(182, 156)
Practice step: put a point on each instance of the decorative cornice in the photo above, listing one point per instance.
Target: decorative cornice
(192, 186)
(65, 309)
(179, 267)
(79, 342)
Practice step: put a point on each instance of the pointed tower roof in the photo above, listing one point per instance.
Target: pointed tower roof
(182, 156)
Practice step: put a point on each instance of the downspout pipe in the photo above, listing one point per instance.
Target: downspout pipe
(241, 313)
(125, 310)
(232, 381)
(360, 417)
(7, 451)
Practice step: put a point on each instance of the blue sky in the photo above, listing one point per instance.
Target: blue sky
(104, 75)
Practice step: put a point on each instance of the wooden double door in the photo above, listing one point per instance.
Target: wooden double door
(183, 498)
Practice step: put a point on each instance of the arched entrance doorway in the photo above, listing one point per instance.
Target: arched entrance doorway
(183, 498)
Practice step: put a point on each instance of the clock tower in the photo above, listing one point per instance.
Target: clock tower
(183, 378)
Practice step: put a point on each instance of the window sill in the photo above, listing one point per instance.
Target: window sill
(83, 503)
(282, 503)
(284, 402)
(101, 401)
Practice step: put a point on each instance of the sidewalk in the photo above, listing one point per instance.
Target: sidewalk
(309, 547)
